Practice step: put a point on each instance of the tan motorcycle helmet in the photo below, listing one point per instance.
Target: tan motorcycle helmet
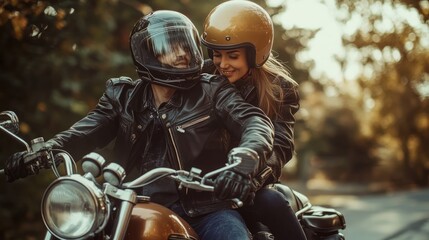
(240, 23)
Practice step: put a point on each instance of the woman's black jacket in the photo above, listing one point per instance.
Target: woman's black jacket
(284, 121)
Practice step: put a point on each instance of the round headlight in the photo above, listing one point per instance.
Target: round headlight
(73, 207)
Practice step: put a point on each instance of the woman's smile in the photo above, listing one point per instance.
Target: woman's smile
(231, 63)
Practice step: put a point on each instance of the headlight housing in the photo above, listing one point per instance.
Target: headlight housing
(74, 208)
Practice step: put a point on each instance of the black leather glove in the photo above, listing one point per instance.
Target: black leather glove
(229, 185)
(249, 160)
(15, 167)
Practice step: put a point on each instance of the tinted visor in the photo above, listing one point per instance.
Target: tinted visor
(172, 48)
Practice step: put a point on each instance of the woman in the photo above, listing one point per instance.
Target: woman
(239, 39)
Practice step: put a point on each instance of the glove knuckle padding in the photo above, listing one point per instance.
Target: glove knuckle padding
(225, 189)
(245, 191)
(230, 185)
(235, 190)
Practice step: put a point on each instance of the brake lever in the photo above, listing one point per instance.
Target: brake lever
(186, 180)
(34, 161)
(195, 185)
(192, 180)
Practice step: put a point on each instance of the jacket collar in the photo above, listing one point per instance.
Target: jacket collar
(245, 85)
(141, 98)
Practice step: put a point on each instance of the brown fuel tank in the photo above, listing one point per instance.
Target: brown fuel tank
(156, 222)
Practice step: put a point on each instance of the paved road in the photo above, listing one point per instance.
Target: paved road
(395, 216)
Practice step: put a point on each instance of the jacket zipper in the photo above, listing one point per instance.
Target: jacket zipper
(175, 149)
(181, 128)
(179, 162)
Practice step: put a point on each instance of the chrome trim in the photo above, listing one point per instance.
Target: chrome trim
(143, 178)
(101, 203)
(16, 138)
(124, 216)
(48, 236)
(181, 128)
(303, 210)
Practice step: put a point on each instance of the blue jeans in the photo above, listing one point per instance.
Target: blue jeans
(219, 225)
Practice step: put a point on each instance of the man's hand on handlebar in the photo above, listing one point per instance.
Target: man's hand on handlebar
(229, 185)
(23, 164)
(15, 167)
(237, 183)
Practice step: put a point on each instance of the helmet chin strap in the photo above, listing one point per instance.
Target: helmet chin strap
(179, 84)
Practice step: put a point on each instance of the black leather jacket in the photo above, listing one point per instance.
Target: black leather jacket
(284, 146)
(193, 122)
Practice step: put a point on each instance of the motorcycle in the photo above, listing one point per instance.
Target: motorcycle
(77, 206)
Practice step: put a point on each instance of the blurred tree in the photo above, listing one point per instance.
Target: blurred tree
(386, 108)
(56, 57)
(394, 42)
(330, 139)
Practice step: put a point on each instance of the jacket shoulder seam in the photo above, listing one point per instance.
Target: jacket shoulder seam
(119, 81)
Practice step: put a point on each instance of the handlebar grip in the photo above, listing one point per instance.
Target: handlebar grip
(34, 161)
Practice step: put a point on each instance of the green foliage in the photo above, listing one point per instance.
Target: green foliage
(55, 60)
(59, 59)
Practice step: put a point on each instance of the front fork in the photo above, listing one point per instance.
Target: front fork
(128, 201)
(49, 236)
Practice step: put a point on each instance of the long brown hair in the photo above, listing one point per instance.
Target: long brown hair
(268, 82)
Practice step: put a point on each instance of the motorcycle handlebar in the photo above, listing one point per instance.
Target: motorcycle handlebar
(12, 122)
(34, 161)
(11, 126)
(185, 178)
(37, 156)
(189, 179)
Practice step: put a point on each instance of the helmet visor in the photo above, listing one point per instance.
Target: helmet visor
(170, 48)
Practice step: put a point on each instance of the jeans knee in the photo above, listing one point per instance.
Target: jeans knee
(268, 197)
(225, 224)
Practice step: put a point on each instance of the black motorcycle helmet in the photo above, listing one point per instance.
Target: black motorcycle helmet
(166, 49)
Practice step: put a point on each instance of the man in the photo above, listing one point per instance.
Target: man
(174, 117)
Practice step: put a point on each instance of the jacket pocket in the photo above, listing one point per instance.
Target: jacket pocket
(182, 127)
